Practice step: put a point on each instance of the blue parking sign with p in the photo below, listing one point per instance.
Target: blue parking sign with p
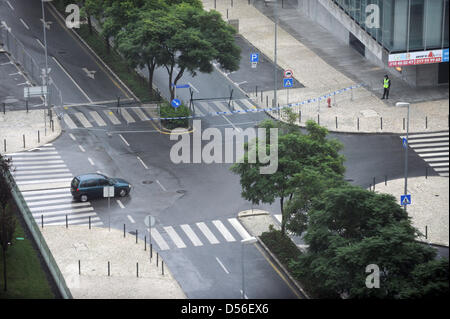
(254, 57)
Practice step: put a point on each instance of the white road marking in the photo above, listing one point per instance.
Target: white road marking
(174, 236)
(245, 296)
(53, 157)
(278, 217)
(433, 154)
(71, 124)
(41, 182)
(120, 204)
(234, 126)
(434, 149)
(38, 162)
(64, 212)
(237, 106)
(31, 153)
(49, 191)
(441, 169)
(41, 197)
(159, 239)
(223, 267)
(112, 117)
(239, 228)
(413, 136)
(97, 118)
(131, 219)
(84, 121)
(71, 205)
(418, 146)
(220, 106)
(208, 234)
(72, 137)
(23, 22)
(140, 114)
(222, 229)
(142, 162)
(82, 148)
(43, 177)
(247, 103)
(160, 185)
(91, 161)
(437, 159)
(127, 116)
(124, 140)
(438, 164)
(422, 140)
(25, 169)
(190, 84)
(191, 235)
(70, 77)
(9, 4)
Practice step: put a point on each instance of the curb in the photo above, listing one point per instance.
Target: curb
(274, 258)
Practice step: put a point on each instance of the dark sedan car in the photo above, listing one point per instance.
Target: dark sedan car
(90, 186)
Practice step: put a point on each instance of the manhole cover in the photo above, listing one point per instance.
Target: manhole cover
(147, 182)
(181, 191)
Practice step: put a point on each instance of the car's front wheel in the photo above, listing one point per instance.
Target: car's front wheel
(83, 198)
(123, 193)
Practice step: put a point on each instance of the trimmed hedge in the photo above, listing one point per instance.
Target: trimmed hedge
(167, 110)
(281, 245)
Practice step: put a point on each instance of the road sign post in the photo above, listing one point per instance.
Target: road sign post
(288, 83)
(108, 191)
(175, 103)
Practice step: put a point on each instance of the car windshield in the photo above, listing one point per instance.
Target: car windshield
(112, 180)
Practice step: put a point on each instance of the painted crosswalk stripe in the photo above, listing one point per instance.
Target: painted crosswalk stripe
(441, 169)
(83, 120)
(42, 197)
(435, 149)
(70, 205)
(236, 106)
(208, 109)
(71, 124)
(433, 154)
(159, 239)
(438, 164)
(140, 114)
(127, 116)
(64, 212)
(437, 159)
(56, 180)
(247, 103)
(222, 229)
(46, 171)
(65, 190)
(278, 217)
(40, 158)
(27, 177)
(198, 110)
(27, 168)
(191, 235)
(437, 134)
(418, 147)
(208, 234)
(34, 153)
(97, 118)
(220, 106)
(174, 236)
(37, 162)
(422, 140)
(110, 115)
(51, 201)
(239, 228)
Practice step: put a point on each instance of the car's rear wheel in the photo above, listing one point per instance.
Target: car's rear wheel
(83, 198)
(122, 193)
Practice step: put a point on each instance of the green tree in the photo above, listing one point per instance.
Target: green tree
(350, 228)
(193, 40)
(7, 221)
(297, 153)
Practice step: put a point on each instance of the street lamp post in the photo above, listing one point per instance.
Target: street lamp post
(248, 241)
(45, 80)
(275, 58)
(406, 148)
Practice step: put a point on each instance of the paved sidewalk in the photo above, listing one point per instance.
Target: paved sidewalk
(429, 205)
(34, 125)
(357, 110)
(94, 249)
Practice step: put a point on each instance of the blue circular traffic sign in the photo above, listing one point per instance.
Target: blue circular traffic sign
(176, 103)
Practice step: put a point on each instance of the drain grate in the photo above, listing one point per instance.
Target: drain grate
(147, 182)
(181, 191)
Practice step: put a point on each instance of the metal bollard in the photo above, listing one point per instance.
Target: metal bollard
(42, 221)
(89, 222)
(426, 121)
(385, 180)
(123, 230)
(426, 232)
(136, 236)
(426, 172)
(358, 123)
(26, 104)
(318, 119)
(374, 184)
(299, 116)
(256, 90)
(4, 144)
(109, 269)
(336, 123)
(381, 123)
(67, 225)
(137, 269)
(4, 108)
(162, 266)
(157, 258)
(145, 243)
(79, 267)
(39, 138)
(151, 251)
(23, 140)
(403, 123)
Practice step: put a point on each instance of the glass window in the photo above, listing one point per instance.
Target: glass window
(400, 30)
(416, 24)
(433, 24)
(445, 24)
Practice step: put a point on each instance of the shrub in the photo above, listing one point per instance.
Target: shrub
(168, 111)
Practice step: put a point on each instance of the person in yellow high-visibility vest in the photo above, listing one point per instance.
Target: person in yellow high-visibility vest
(386, 87)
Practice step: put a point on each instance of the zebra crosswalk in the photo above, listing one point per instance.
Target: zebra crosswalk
(432, 148)
(198, 234)
(76, 118)
(44, 181)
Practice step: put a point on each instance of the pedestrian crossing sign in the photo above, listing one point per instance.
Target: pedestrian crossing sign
(405, 142)
(288, 83)
(405, 199)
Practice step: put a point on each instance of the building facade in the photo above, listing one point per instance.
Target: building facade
(410, 37)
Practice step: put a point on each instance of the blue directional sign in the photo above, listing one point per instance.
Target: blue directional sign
(181, 86)
(176, 103)
(254, 57)
(445, 55)
(405, 142)
(288, 83)
(405, 199)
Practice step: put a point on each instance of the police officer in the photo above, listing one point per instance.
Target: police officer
(386, 86)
